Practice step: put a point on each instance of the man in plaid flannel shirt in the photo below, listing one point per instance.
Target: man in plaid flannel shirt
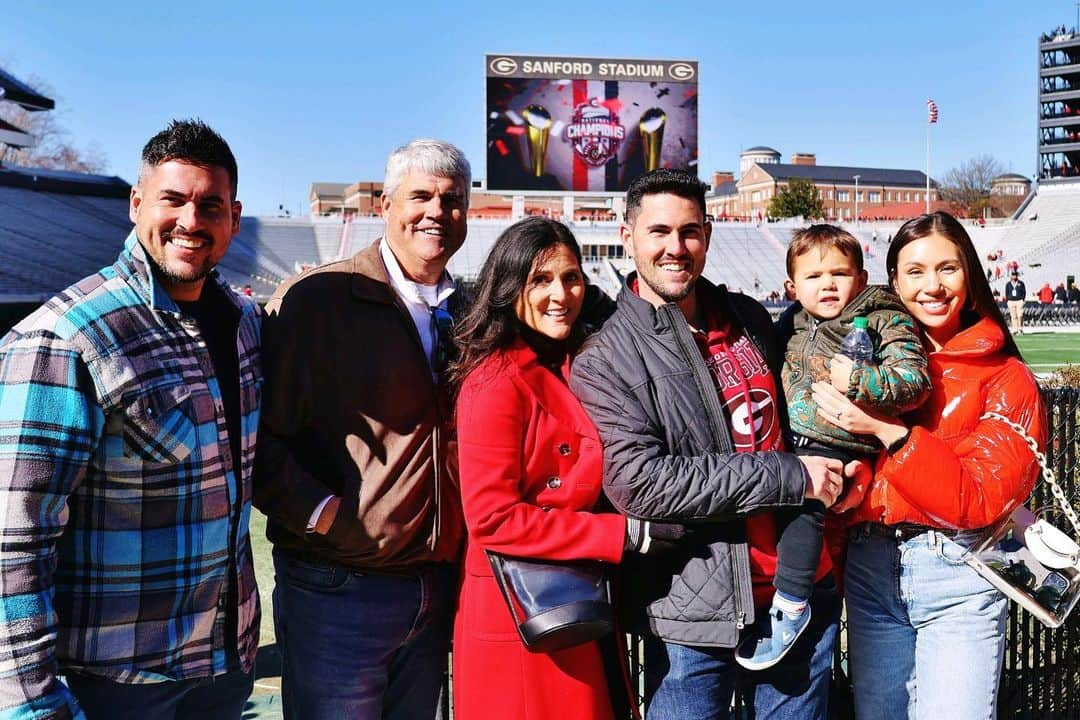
(128, 410)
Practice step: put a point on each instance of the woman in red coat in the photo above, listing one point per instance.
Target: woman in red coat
(925, 631)
(530, 462)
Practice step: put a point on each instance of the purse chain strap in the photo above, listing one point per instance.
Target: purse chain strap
(1047, 474)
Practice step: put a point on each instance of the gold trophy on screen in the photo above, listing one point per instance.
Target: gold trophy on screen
(651, 126)
(538, 123)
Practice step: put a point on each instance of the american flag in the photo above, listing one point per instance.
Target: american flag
(931, 109)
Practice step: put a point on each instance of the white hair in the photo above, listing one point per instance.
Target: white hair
(434, 157)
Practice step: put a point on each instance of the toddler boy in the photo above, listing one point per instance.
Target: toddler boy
(826, 275)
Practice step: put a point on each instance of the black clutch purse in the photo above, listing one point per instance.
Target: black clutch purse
(555, 604)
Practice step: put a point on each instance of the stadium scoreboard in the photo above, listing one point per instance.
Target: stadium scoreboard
(569, 124)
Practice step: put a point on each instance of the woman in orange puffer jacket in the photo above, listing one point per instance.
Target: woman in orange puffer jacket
(925, 631)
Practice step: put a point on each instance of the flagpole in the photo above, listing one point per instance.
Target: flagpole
(927, 168)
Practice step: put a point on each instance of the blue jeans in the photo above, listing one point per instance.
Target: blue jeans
(361, 645)
(684, 681)
(926, 633)
(216, 698)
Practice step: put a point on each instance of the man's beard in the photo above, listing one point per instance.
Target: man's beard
(199, 273)
(664, 293)
(190, 276)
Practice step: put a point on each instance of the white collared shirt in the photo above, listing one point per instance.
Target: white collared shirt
(418, 298)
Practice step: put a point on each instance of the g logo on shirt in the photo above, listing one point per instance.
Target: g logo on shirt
(752, 420)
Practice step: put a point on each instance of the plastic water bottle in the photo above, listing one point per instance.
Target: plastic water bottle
(857, 344)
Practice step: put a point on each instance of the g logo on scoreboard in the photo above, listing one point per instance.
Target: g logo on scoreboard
(503, 65)
(681, 71)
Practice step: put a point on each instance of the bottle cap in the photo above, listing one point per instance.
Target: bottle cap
(860, 322)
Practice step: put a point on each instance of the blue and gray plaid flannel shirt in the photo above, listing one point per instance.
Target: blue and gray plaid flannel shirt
(118, 492)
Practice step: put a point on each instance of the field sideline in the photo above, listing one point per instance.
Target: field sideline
(1046, 351)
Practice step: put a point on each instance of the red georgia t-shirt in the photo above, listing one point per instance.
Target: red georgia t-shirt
(748, 394)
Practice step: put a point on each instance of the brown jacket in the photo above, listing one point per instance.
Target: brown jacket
(350, 409)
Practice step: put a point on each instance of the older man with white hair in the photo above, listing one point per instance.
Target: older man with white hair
(353, 466)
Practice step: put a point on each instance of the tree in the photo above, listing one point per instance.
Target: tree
(967, 186)
(799, 198)
(53, 149)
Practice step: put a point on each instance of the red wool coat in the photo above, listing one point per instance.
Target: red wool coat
(530, 474)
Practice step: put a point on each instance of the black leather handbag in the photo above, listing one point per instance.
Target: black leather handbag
(555, 604)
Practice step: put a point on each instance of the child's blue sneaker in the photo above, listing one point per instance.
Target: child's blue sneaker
(770, 640)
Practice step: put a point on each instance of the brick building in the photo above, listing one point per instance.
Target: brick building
(328, 198)
(1007, 192)
(358, 198)
(877, 192)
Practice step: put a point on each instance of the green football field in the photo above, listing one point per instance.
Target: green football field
(1045, 351)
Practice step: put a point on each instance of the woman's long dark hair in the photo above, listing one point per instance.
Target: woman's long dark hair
(980, 299)
(492, 323)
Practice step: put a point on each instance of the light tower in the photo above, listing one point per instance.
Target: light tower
(1059, 106)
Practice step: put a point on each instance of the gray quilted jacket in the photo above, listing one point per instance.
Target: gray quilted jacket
(668, 456)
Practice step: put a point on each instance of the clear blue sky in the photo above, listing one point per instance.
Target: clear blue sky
(321, 91)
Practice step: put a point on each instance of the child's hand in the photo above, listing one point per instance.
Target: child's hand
(840, 369)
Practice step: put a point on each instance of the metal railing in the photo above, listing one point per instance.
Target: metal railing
(1048, 315)
(1036, 314)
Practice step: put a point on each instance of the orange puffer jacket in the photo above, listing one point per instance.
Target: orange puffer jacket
(957, 471)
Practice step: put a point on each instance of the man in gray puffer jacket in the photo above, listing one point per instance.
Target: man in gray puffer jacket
(682, 383)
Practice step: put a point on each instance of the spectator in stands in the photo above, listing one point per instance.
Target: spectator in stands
(129, 404)
(926, 633)
(1074, 293)
(1046, 294)
(683, 381)
(1015, 297)
(1060, 294)
(356, 467)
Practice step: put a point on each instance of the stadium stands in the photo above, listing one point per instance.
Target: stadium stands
(49, 236)
(328, 232)
(745, 259)
(1043, 239)
(57, 227)
(284, 246)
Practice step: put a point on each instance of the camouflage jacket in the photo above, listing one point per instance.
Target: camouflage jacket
(898, 381)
